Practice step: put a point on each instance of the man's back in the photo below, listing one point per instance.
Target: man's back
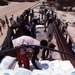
(27, 40)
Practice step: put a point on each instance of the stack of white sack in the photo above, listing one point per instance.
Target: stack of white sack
(56, 67)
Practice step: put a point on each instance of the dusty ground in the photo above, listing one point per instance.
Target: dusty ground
(14, 8)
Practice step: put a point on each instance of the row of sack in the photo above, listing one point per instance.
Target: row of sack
(9, 62)
(22, 71)
(9, 66)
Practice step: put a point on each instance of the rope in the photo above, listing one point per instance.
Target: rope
(7, 50)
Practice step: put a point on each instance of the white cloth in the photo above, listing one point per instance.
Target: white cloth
(27, 40)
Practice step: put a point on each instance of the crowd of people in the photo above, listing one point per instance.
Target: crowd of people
(6, 23)
(29, 40)
(27, 36)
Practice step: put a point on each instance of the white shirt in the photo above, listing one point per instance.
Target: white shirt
(27, 40)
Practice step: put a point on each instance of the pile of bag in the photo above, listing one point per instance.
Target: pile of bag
(9, 66)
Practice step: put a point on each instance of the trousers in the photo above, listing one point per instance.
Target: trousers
(22, 59)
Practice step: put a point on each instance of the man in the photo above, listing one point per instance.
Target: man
(45, 52)
(21, 53)
(1, 27)
(3, 23)
(12, 21)
(50, 29)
